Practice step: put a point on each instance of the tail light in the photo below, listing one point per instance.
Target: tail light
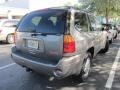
(68, 44)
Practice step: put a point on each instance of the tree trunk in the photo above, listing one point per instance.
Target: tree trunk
(106, 16)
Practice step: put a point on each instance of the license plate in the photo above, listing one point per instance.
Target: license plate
(32, 44)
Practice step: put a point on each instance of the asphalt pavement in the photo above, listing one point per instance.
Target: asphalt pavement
(105, 74)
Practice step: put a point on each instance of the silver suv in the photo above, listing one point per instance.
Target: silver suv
(58, 42)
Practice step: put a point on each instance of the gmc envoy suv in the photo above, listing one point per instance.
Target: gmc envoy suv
(58, 42)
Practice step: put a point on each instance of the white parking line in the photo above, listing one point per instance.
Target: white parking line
(6, 66)
(112, 72)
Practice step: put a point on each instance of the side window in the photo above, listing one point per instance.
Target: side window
(81, 23)
(92, 23)
(99, 27)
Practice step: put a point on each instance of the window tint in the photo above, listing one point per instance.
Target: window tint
(98, 26)
(92, 19)
(54, 20)
(36, 20)
(44, 21)
(10, 23)
(81, 22)
(93, 24)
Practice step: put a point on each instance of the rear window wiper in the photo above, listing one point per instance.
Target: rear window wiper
(45, 34)
(35, 34)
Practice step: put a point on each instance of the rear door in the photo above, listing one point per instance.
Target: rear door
(40, 34)
(85, 37)
(95, 31)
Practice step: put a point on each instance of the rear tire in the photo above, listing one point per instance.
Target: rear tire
(10, 39)
(115, 36)
(111, 41)
(102, 51)
(86, 68)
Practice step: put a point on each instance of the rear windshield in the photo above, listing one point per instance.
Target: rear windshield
(44, 21)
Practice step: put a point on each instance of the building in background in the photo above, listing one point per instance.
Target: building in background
(13, 9)
(35, 4)
(2, 1)
(12, 12)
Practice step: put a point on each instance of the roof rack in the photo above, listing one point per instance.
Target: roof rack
(63, 7)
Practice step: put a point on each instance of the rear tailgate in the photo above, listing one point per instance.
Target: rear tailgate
(40, 34)
(49, 47)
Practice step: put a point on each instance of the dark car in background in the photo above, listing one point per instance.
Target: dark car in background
(111, 31)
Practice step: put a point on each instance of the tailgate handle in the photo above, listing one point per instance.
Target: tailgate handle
(35, 34)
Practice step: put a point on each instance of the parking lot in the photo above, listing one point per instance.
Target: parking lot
(105, 74)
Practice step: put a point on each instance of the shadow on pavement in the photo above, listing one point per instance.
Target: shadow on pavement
(99, 75)
(3, 43)
(97, 80)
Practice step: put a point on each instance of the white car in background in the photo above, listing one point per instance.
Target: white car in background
(118, 28)
(111, 31)
(7, 29)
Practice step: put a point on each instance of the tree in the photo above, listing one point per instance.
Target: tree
(106, 8)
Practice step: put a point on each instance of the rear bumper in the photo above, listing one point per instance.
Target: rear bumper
(65, 67)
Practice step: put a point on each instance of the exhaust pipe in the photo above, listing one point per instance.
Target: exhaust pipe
(29, 70)
(58, 73)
